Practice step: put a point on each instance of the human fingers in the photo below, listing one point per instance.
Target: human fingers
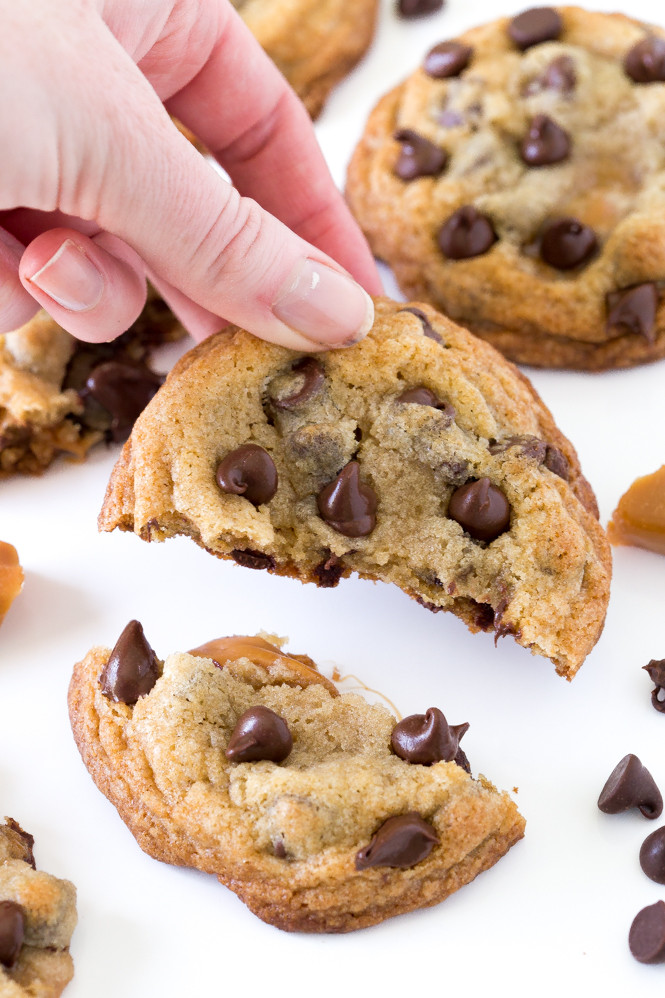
(16, 305)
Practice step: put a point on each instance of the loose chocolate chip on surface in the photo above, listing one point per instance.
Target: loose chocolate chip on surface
(656, 670)
(481, 509)
(124, 390)
(646, 938)
(534, 26)
(402, 841)
(132, 669)
(652, 856)
(12, 930)
(645, 62)
(260, 733)
(427, 738)
(347, 504)
(417, 8)
(465, 234)
(313, 378)
(567, 243)
(633, 310)
(427, 328)
(557, 462)
(252, 559)
(629, 785)
(447, 59)
(560, 76)
(418, 156)
(545, 142)
(248, 471)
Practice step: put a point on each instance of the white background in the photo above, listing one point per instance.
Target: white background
(555, 913)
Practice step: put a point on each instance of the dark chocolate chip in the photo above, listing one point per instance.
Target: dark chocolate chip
(417, 8)
(278, 849)
(328, 572)
(124, 390)
(447, 59)
(629, 785)
(557, 462)
(427, 328)
(656, 670)
(633, 310)
(132, 669)
(418, 156)
(530, 447)
(481, 509)
(432, 607)
(567, 243)
(465, 234)
(646, 938)
(260, 733)
(645, 62)
(252, 559)
(560, 76)
(313, 378)
(26, 839)
(545, 142)
(652, 856)
(421, 396)
(248, 471)
(483, 615)
(402, 841)
(427, 738)
(534, 26)
(347, 504)
(12, 930)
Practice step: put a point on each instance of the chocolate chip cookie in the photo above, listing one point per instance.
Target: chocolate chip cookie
(37, 918)
(516, 180)
(419, 456)
(317, 809)
(59, 395)
(314, 43)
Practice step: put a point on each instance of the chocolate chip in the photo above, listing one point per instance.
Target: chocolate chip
(278, 849)
(544, 143)
(645, 62)
(427, 738)
(347, 504)
(560, 76)
(124, 390)
(530, 447)
(447, 59)
(646, 938)
(418, 156)
(421, 396)
(132, 669)
(427, 328)
(633, 310)
(26, 840)
(656, 670)
(534, 26)
(652, 856)
(481, 508)
(483, 615)
(248, 471)
(629, 785)
(417, 8)
(260, 733)
(328, 572)
(313, 378)
(402, 841)
(557, 462)
(450, 119)
(12, 930)
(567, 243)
(465, 234)
(252, 559)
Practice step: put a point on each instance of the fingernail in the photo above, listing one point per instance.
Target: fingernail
(70, 278)
(324, 305)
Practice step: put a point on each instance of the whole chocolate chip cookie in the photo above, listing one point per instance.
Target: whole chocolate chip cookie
(314, 43)
(287, 791)
(516, 180)
(419, 457)
(37, 918)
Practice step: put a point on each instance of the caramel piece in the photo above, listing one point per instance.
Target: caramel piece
(639, 518)
(260, 651)
(11, 577)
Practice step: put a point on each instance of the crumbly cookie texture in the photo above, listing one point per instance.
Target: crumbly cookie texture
(34, 958)
(52, 387)
(314, 43)
(517, 181)
(289, 837)
(336, 435)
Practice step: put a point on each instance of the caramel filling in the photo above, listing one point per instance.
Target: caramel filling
(11, 577)
(262, 653)
(639, 518)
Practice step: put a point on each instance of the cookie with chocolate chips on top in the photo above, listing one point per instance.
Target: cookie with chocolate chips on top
(420, 457)
(516, 181)
(319, 810)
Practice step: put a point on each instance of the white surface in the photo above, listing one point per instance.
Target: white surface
(554, 914)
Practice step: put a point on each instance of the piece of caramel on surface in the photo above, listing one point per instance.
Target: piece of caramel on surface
(11, 577)
(639, 518)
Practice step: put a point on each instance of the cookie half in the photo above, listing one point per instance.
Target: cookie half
(419, 457)
(517, 181)
(244, 762)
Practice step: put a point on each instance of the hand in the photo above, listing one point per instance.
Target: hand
(98, 187)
